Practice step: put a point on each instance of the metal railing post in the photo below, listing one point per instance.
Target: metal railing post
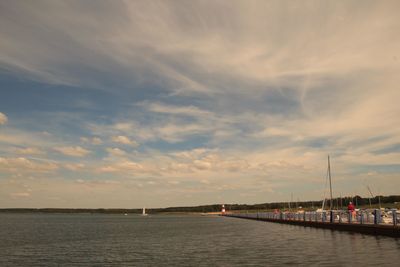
(377, 218)
(394, 214)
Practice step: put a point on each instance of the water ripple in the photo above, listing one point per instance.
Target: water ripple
(114, 240)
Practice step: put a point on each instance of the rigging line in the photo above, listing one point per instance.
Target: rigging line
(325, 188)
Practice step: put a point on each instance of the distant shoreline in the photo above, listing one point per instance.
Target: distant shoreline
(64, 210)
(392, 201)
(101, 211)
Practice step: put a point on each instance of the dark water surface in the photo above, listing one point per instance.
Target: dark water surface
(166, 240)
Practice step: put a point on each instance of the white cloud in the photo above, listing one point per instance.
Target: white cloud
(30, 151)
(124, 166)
(124, 126)
(74, 166)
(96, 141)
(23, 165)
(76, 151)
(191, 154)
(3, 118)
(205, 181)
(177, 132)
(124, 140)
(20, 194)
(202, 164)
(116, 152)
(93, 140)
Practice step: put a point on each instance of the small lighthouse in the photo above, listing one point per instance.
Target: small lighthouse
(223, 209)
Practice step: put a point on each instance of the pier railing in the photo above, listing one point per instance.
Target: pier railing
(373, 217)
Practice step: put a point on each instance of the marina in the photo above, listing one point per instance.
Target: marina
(367, 221)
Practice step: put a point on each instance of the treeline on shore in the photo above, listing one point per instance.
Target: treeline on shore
(337, 203)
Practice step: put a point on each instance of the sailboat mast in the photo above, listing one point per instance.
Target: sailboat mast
(330, 182)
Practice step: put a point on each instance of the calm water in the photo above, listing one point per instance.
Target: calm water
(117, 240)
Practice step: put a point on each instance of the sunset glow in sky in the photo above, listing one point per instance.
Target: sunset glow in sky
(178, 103)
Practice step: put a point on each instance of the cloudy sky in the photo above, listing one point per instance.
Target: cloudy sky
(173, 103)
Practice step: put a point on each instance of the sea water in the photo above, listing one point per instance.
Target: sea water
(169, 240)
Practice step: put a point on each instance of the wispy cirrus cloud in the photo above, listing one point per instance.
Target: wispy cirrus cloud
(207, 46)
(193, 111)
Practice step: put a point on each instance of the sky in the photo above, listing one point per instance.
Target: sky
(130, 104)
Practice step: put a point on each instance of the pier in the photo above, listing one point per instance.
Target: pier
(365, 222)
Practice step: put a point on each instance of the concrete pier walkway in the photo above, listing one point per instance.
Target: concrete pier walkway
(328, 220)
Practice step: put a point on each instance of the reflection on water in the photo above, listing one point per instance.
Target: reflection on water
(117, 240)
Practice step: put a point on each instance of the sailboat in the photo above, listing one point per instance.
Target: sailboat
(328, 178)
(144, 212)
